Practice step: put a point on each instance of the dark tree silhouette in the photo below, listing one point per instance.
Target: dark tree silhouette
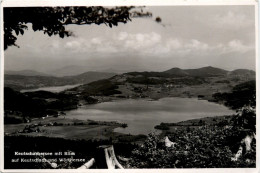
(52, 20)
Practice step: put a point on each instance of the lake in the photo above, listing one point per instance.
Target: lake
(141, 115)
(54, 89)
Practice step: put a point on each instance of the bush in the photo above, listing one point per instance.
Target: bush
(162, 126)
(241, 95)
(12, 120)
(202, 147)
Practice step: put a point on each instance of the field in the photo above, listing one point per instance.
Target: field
(62, 127)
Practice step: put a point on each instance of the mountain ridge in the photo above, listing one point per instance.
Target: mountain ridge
(19, 82)
(30, 82)
(26, 73)
(207, 71)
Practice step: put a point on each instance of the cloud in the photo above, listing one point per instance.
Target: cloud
(196, 45)
(122, 36)
(234, 46)
(97, 41)
(238, 46)
(152, 44)
(181, 47)
(174, 44)
(233, 20)
(55, 44)
(140, 41)
(73, 44)
(96, 44)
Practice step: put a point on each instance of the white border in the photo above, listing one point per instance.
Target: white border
(1, 90)
(257, 47)
(17, 3)
(22, 3)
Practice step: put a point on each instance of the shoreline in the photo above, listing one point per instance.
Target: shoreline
(106, 130)
(193, 123)
(67, 128)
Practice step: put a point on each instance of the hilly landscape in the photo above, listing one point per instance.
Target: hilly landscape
(242, 72)
(206, 83)
(54, 118)
(26, 73)
(71, 70)
(174, 82)
(201, 72)
(19, 81)
(200, 83)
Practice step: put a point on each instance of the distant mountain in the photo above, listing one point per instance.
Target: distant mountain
(206, 72)
(111, 70)
(174, 82)
(242, 72)
(200, 72)
(176, 75)
(26, 73)
(69, 71)
(89, 77)
(177, 72)
(19, 82)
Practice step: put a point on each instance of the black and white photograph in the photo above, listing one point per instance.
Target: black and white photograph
(129, 87)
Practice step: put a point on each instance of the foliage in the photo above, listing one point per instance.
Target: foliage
(13, 120)
(90, 100)
(36, 104)
(19, 82)
(162, 126)
(207, 146)
(150, 74)
(190, 152)
(246, 118)
(103, 87)
(223, 81)
(242, 94)
(155, 78)
(130, 138)
(52, 20)
(146, 80)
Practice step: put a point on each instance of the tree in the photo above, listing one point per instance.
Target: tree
(241, 95)
(246, 118)
(52, 20)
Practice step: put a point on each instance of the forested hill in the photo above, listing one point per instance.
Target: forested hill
(30, 81)
(209, 72)
(200, 72)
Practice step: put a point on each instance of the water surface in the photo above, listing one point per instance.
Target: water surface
(142, 115)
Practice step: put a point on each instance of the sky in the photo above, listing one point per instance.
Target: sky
(188, 37)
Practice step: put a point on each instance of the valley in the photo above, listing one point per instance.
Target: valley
(129, 109)
(204, 84)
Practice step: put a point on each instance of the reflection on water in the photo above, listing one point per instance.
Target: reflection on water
(142, 115)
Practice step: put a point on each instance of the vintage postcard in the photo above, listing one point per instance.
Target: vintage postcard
(169, 86)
